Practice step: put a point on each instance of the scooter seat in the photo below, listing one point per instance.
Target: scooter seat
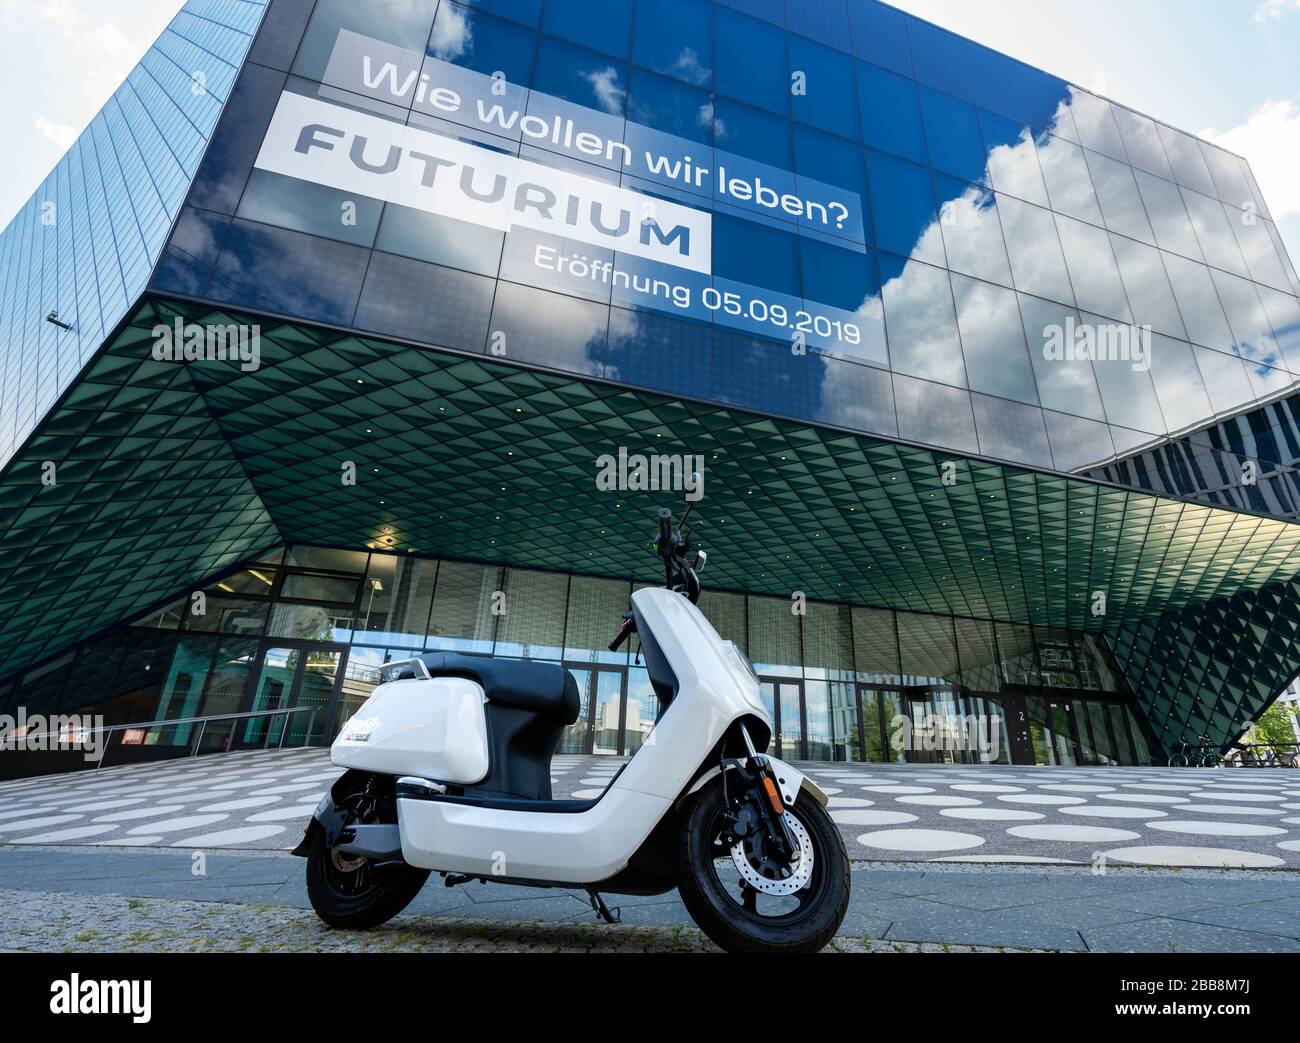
(544, 688)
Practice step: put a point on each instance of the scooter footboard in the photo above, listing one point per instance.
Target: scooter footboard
(575, 847)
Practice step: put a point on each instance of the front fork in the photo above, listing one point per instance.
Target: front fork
(760, 807)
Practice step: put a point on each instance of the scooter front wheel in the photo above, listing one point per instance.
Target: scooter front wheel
(351, 891)
(746, 901)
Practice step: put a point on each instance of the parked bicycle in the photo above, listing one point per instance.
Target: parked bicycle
(1265, 755)
(1202, 755)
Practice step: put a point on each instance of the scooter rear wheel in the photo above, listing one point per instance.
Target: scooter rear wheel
(742, 903)
(351, 892)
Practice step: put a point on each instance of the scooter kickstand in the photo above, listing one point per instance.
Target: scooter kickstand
(602, 910)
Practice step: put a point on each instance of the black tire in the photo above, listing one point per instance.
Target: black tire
(725, 918)
(362, 898)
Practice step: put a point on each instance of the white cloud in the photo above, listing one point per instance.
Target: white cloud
(1271, 9)
(59, 133)
(452, 35)
(108, 37)
(1270, 141)
(608, 91)
(55, 12)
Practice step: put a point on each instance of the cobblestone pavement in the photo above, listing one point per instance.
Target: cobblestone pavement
(108, 923)
(1192, 817)
(93, 899)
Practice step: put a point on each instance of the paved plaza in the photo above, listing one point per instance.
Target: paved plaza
(1193, 817)
(1087, 859)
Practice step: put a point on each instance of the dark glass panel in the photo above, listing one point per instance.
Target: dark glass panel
(891, 115)
(606, 26)
(675, 37)
(953, 134)
(462, 617)
(415, 300)
(829, 100)
(1011, 431)
(928, 649)
(933, 414)
(774, 642)
(750, 58)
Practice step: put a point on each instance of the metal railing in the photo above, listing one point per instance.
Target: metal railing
(196, 741)
(1264, 755)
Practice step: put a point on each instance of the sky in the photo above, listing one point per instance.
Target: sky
(1224, 69)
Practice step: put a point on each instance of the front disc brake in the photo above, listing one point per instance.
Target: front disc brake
(767, 875)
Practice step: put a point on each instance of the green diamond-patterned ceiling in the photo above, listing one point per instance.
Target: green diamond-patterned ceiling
(167, 473)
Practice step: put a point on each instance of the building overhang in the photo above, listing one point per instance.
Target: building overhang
(166, 472)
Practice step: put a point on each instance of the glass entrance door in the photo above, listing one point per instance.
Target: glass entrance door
(599, 727)
(288, 676)
(784, 699)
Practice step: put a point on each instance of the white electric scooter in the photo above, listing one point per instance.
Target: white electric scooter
(449, 770)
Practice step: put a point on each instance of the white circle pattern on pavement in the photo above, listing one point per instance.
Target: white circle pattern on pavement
(264, 799)
(1112, 811)
(940, 801)
(1073, 834)
(1194, 857)
(1040, 798)
(920, 840)
(224, 838)
(992, 814)
(856, 817)
(1219, 828)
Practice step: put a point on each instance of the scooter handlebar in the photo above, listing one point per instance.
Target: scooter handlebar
(624, 632)
(665, 545)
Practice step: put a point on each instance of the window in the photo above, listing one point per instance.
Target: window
(933, 413)
(675, 37)
(751, 61)
(1121, 203)
(891, 116)
(829, 100)
(993, 340)
(1199, 303)
(1011, 431)
(1186, 160)
(955, 144)
(404, 26)
(1142, 142)
(903, 208)
(1169, 220)
(1069, 184)
(462, 618)
(395, 600)
(1149, 294)
(1096, 124)
(606, 26)
(531, 615)
(1178, 382)
(1036, 261)
(1214, 233)
(1093, 272)
(971, 230)
(1225, 379)
(1065, 382)
(919, 318)
(1013, 163)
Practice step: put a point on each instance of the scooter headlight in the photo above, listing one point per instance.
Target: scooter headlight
(742, 659)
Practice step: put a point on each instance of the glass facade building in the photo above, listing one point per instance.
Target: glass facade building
(969, 357)
(311, 627)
